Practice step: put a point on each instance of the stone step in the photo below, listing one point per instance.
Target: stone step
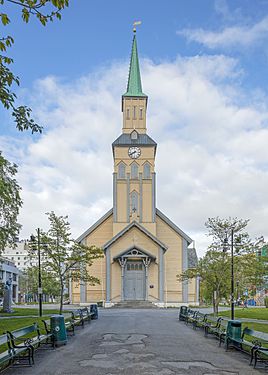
(135, 305)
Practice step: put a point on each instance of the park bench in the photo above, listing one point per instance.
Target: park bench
(77, 318)
(87, 315)
(190, 316)
(212, 325)
(222, 331)
(30, 336)
(10, 355)
(199, 320)
(261, 352)
(251, 342)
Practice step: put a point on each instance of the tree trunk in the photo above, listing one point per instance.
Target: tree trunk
(61, 298)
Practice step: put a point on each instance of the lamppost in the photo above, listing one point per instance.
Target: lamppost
(225, 248)
(33, 241)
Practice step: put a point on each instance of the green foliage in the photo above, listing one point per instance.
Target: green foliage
(10, 203)
(44, 11)
(214, 269)
(266, 301)
(63, 257)
(29, 282)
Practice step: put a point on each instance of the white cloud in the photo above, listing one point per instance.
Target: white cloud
(233, 36)
(218, 165)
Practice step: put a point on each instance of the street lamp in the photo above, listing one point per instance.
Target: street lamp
(33, 241)
(225, 248)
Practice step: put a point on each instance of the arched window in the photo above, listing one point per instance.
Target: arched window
(147, 170)
(134, 201)
(134, 170)
(128, 113)
(140, 113)
(121, 170)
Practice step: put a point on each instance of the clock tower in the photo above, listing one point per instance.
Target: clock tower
(134, 158)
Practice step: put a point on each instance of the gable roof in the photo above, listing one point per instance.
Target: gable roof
(95, 225)
(141, 228)
(173, 226)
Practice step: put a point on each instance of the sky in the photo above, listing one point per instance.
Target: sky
(204, 68)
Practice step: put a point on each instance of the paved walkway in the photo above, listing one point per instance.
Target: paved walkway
(138, 342)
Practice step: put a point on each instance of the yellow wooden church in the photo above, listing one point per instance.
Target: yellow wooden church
(143, 249)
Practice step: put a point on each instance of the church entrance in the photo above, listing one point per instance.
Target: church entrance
(134, 281)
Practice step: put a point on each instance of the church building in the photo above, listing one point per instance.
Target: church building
(144, 250)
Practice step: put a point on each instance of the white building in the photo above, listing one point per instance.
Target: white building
(20, 255)
(9, 270)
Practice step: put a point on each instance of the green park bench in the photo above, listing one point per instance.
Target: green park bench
(212, 325)
(12, 355)
(190, 316)
(251, 341)
(261, 341)
(78, 318)
(30, 336)
(199, 320)
(87, 315)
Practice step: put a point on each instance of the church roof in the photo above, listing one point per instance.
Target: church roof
(95, 225)
(142, 139)
(174, 226)
(141, 228)
(134, 87)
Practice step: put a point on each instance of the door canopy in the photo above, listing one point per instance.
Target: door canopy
(134, 253)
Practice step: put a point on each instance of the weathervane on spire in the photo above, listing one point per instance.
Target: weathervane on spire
(136, 23)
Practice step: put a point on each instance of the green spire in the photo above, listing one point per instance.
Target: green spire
(134, 87)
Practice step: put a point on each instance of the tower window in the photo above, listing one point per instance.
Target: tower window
(121, 170)
(134, 201)
(147, 170)
(128, 114)
(134, 135)
(134, 112)
(140, 113)
(134, 170)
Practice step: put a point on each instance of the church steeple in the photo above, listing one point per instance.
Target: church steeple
(134, 86)
(134, 101)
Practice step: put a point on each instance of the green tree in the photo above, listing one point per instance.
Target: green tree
(214, 269)
(44, 11)
(65, 258)
(29, 282)
(10, 203)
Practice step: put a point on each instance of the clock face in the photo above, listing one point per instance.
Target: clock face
(134, 152)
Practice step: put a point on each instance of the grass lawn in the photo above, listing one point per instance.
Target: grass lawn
(19, 311)
(252, 313)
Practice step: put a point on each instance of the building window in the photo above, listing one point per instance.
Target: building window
(147, 170)
(18, 258)
(140, 113)
(17, 252)
(134, 170)
(128, 114)
(134, 201)
(18, 263)
(121, 170)
(134, 112)
(14, 277)
(134, 135)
